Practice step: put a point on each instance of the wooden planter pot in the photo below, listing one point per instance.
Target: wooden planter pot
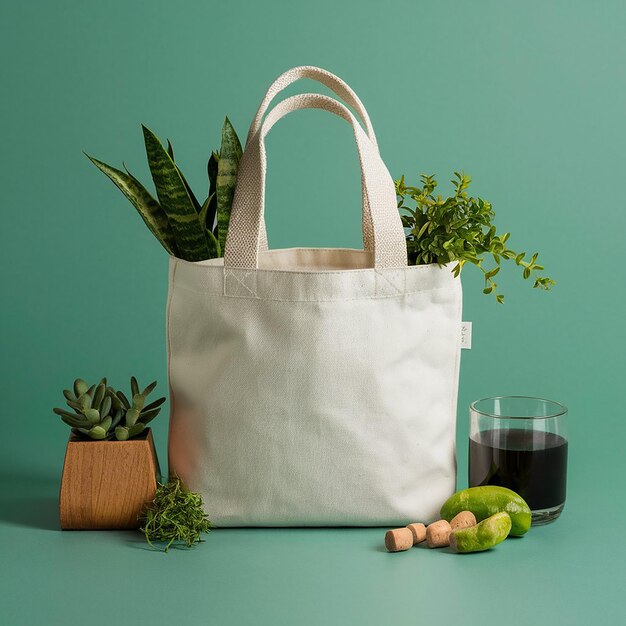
(106, 484)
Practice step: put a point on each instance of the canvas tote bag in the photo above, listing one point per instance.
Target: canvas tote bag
(313, 386)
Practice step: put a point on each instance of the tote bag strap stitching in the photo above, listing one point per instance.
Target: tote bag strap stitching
(243, 241)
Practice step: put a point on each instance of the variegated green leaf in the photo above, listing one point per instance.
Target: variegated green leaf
(174, 198)
(227, 166)
(211, 219)
(192, 197)
(214, 245)
(149, 209)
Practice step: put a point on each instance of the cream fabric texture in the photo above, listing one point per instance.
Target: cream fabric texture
(314, 387)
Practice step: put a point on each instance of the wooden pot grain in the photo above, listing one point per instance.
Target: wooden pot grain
(106, 484)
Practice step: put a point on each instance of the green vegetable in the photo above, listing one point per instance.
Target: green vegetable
(176, 515)
(100, 412)
(459, 228)
(486, 534)
(488, 500)
(184, 227)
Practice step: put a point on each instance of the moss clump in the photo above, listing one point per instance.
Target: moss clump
(175, 516)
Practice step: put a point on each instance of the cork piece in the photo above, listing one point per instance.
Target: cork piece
(437, 534)
(419, 532)
(398, 540)
(464, 519)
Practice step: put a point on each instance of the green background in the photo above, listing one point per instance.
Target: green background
(528, 98)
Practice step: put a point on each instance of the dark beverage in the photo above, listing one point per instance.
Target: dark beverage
(531, 463)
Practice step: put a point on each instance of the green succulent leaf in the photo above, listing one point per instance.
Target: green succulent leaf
(84, 401)
(138, 401)
(123, 399)
(105, 407)
(149, 389)
(97, 432)
(148, 208)
(175, 201)
(227, 167)
(116, 403)
(76, 423)
(154, 405)
(136, 429)
(132, 415)
(80, 387)
(98, 396)
(121, 433)
(117, 418)
(69, 395)
(134, 386)
(148, 416)
(93, 415)
(106, 423)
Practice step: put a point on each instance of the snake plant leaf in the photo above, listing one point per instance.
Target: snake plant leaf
(192, 196)
(215, 251)
(227, 166)
(148, 208)
(211, 217)
(174, 198)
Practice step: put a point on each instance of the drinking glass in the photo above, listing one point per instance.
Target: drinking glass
(520, 442)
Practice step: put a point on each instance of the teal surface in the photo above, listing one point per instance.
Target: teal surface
(528, 98)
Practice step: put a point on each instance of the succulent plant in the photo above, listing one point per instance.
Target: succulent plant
(100, 412)
(184, 227)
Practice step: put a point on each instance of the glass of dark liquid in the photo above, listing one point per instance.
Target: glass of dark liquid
(521, 443)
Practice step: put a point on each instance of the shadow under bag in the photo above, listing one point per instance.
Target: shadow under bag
(313, 386)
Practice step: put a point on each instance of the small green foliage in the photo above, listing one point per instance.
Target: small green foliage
(458, 228)
(100, 412)
(175, 516)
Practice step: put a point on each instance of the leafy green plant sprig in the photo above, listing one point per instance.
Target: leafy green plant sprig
(186, 228)
(100, 412)
(175, 516)
(458, 228)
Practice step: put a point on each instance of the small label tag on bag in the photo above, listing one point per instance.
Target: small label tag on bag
(466, 335)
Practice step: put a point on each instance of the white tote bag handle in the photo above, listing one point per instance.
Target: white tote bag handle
(339, 88)
(244, 232)
(326, 78)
